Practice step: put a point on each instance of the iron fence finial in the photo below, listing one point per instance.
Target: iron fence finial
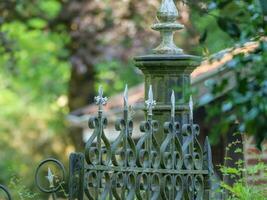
(191, 107)
(50, 177)
(208, 155)
(173, 104)
(125, 97)
(100, 100)
(167, 25)
(150, 102)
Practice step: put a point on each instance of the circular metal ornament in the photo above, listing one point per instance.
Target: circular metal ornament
(6, 192)
(37, 172)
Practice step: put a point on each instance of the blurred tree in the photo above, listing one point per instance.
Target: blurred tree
(34, 75)
(100, 32)
(39, 86)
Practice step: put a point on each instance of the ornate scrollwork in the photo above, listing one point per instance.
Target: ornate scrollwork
(92, 184)
(191, 147)
(143, 169)
(199, 187)
(123, 149)
(97, 149)
(148, 150)
(143, 186)
(171, 149)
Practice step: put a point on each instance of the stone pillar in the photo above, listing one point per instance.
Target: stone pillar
(168, 68)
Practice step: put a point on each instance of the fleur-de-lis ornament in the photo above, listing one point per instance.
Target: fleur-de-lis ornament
(100, 100)
(50, 177)
(150, 103)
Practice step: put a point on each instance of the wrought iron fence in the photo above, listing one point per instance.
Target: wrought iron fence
(177, 169)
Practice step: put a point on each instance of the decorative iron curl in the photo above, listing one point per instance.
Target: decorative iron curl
(98, 154)
(6, 191)
(171, 148)
(146, 170)
(52, 188)
(123, 149)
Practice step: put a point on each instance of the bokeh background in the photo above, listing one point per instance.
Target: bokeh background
(55, 53)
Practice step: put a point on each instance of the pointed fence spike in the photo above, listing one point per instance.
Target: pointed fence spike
(150, 94)
(150, 102)
(173, 104)
(191, 108)
(50, 177)
(100, 91)
(125, 97)
(208, 155)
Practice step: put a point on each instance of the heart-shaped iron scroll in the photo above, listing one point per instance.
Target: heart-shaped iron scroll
(199, 187)
(92, 186)
(172, 187)
(147, 147)
(119, 186)
(193, 154)
(143, 186)
(123, 149)
(171, 149)
(97, 149)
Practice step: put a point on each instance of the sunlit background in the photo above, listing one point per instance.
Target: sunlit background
(55, 53)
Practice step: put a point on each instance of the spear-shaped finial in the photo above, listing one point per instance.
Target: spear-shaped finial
(100, 100)
(125, 97)
(208, 156)
(50, 177)
(167, 25)
(191, 107)
(150, 102)
(172, 105)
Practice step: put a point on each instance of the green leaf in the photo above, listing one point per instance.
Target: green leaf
(229, 26)
(37, 23)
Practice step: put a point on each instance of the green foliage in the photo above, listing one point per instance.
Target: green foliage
(113, 75)
(248, 99)
(242, 188)
(34, 75)
(243, 191)
(21, 192)
(241, 22)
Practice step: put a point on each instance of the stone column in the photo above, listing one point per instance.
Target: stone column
(168, 68)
